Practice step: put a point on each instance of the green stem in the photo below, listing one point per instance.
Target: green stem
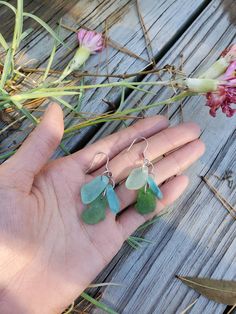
(97, 303)
(118, 114)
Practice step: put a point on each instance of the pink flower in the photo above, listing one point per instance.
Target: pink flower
(90, 40)
(225, 95)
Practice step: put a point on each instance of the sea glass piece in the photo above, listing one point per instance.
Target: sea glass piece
(146, 201)
(90, 191)
(137, 178)
(112, 199)
(95, 212)
(154, 187)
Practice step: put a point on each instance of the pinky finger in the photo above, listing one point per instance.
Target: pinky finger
(130, 219)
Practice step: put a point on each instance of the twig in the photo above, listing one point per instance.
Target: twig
(223, 201)
(232, 308)
(145, 33)
(79, 74)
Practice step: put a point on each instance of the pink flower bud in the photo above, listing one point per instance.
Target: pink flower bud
(91, 40)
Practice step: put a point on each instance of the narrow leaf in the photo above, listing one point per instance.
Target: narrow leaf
(9, 6)
(3, 42)
(44, 25)
(220, 291)
(25, 112)
(26, 33)
(7, 68)
(98, 304)
(18, 26)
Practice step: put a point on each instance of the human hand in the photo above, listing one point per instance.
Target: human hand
(48, 256)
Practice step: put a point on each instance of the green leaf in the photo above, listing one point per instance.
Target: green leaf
(44, 25)
(26, 33)
(18, 26)
(9, 6)
(7, 68)
(25, 112)
(65, 103)
(146, 201)
(98, 304)
(95, 212)
(37, 19)
(220, 291)
(3, 42)
(152, 221)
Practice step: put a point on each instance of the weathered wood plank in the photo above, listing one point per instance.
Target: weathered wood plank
(198, 237)
(161, 17)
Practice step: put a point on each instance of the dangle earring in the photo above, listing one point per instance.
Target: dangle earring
(143, 180)
(99, 194)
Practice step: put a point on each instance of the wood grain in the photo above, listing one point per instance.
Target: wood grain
(198, 237)
(163, 20)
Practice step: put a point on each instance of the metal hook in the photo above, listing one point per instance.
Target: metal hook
(106, 166)
(145, 149)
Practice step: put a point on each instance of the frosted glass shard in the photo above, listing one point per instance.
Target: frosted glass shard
(154, 187)
(137, 178)
(90, 191)
(112, 199)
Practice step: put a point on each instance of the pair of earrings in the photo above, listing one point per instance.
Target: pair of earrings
(99, 193)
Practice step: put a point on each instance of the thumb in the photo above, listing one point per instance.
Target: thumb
(37, 148)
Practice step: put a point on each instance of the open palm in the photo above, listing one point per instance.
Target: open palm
(48, 256)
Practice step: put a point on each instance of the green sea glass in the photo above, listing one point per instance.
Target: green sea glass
(146, 201)
(137, 178)
(90, 191)
(95, 212)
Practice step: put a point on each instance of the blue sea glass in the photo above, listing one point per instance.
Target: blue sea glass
(155, 189)
(112, 199)
(137, 178)
(90, 191)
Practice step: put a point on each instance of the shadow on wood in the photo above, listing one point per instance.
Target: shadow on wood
(230, 11)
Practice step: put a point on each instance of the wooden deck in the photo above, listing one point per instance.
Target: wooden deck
(198, 236)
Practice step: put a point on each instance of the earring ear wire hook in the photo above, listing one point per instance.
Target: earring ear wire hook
(145, 149)
(106, 166)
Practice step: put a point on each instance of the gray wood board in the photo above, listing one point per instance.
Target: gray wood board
(198, 237)
(162, 18)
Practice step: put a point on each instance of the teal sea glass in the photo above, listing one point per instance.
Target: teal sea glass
(112, 199)
(90, 191)
(137, 178)
(154, 187)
